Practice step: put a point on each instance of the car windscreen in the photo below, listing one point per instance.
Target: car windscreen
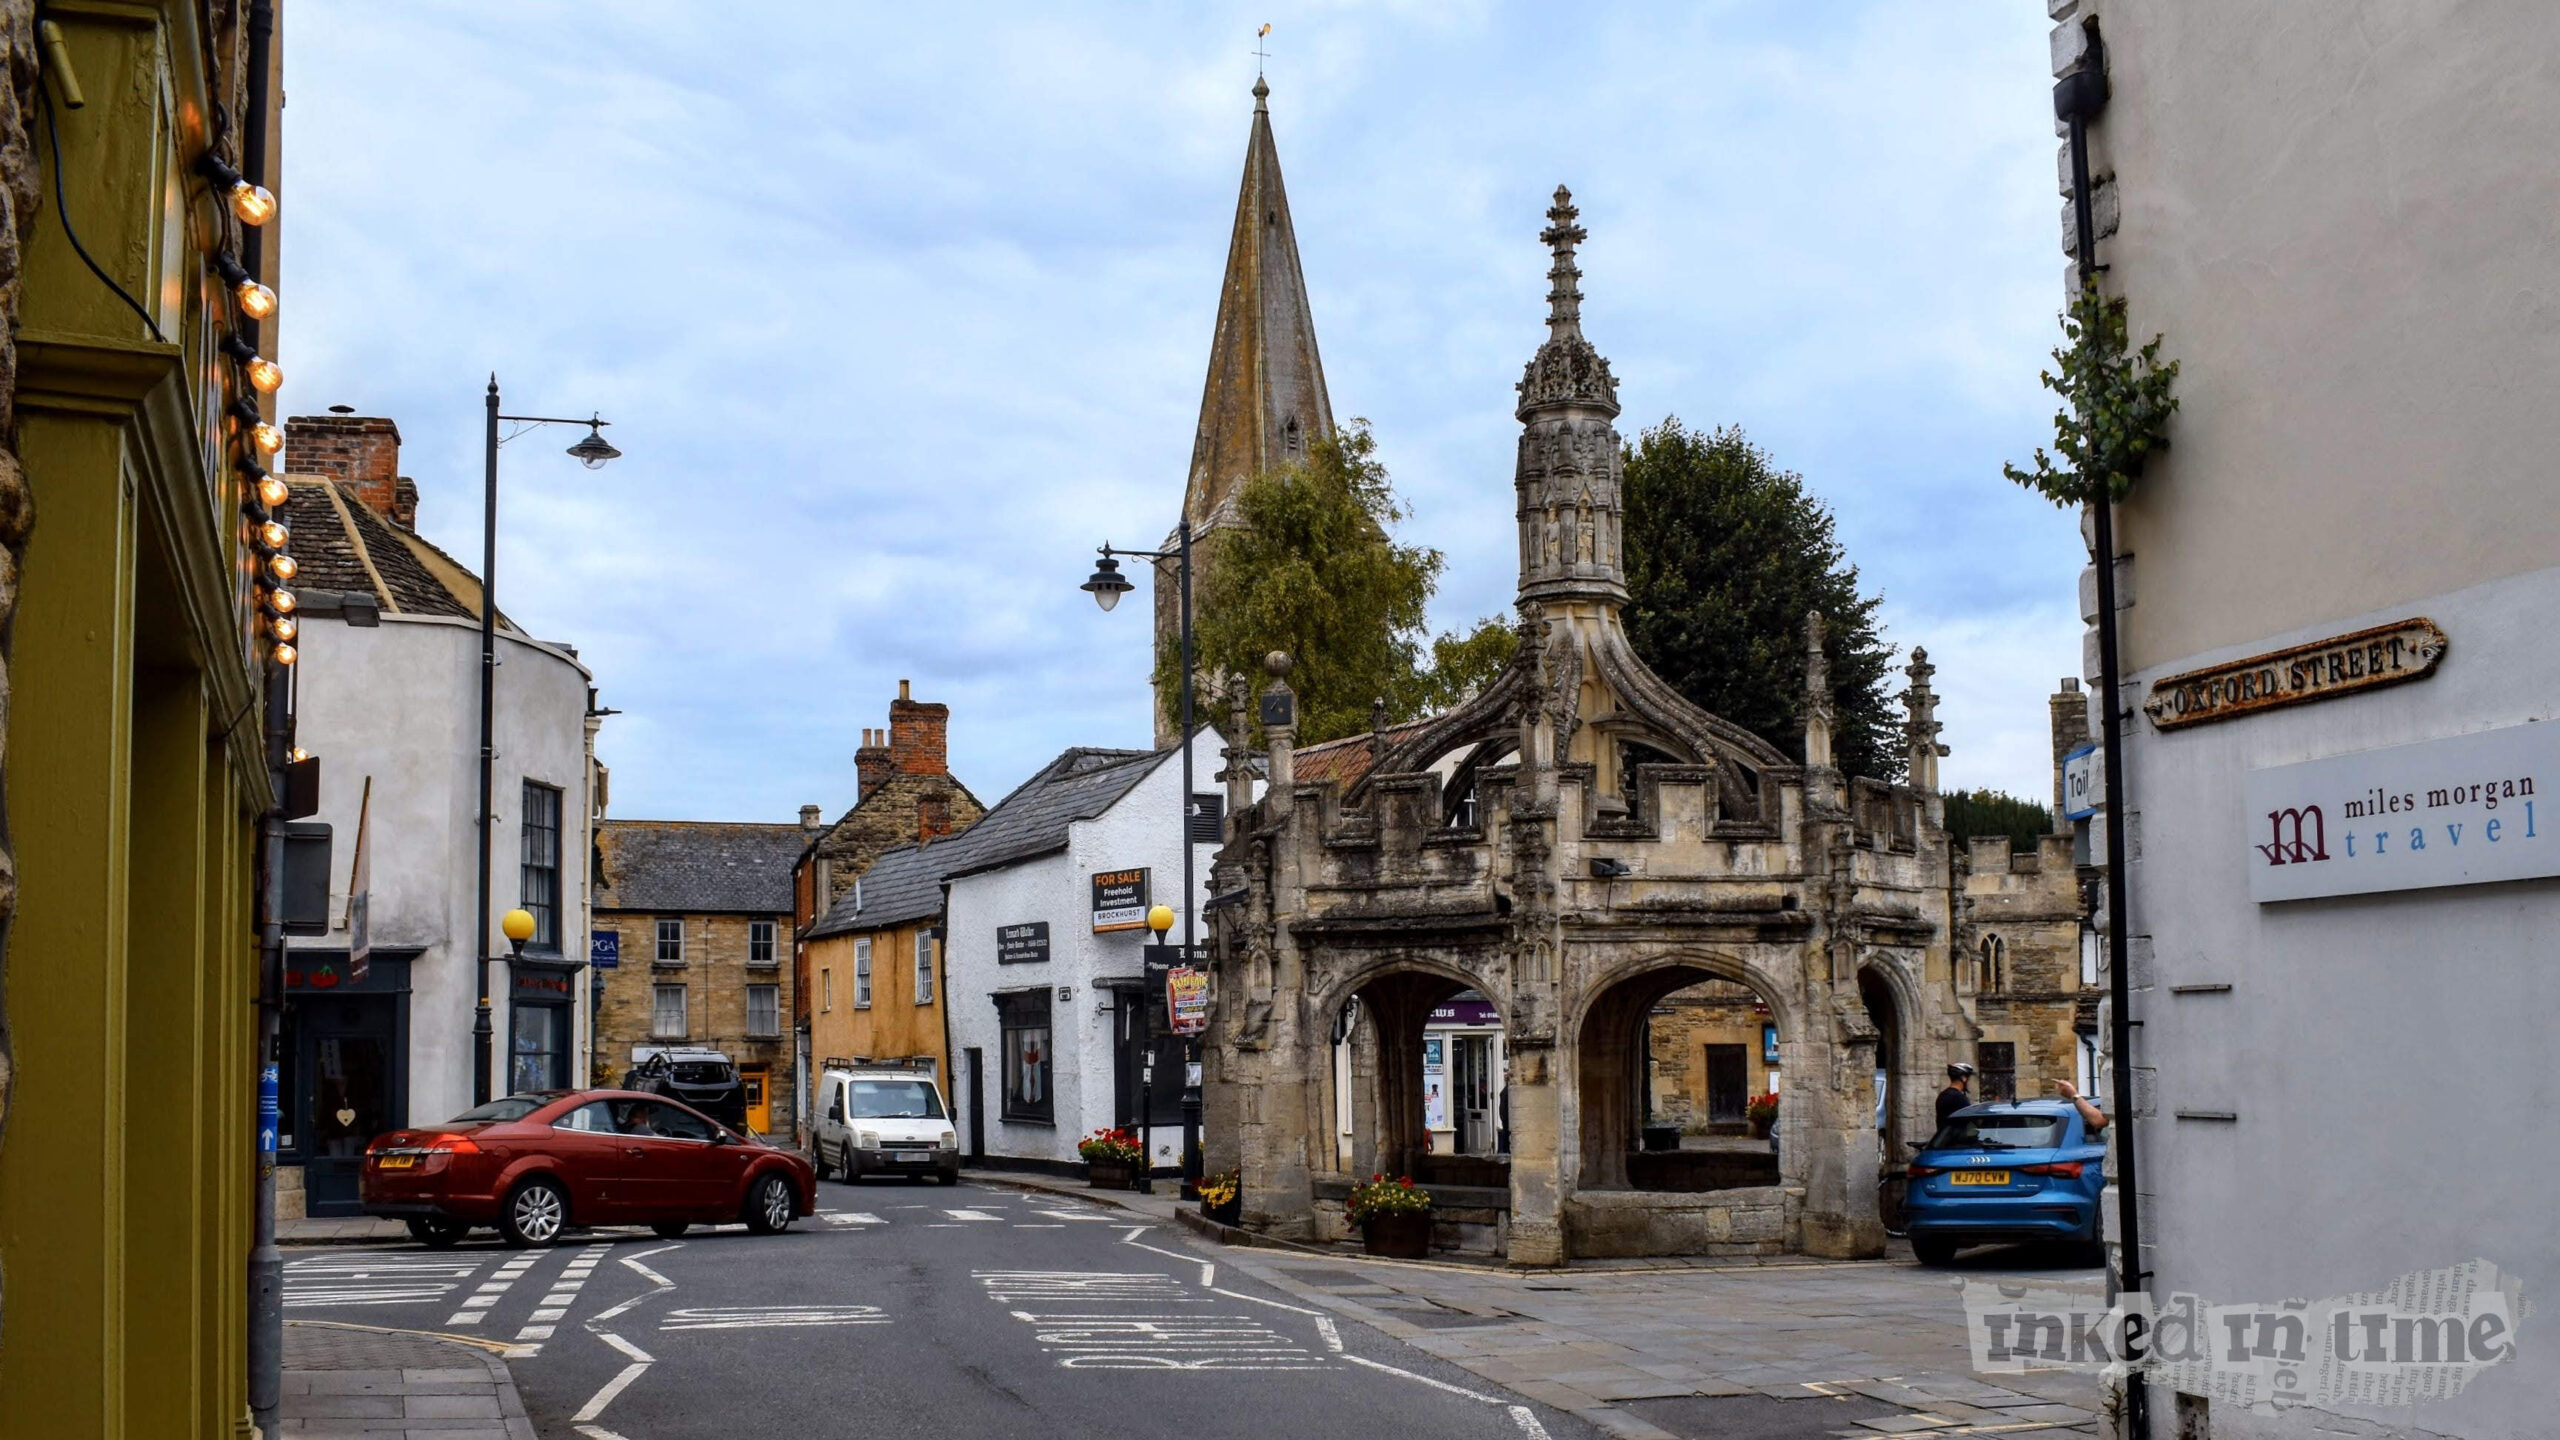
(895, 1100)
(511, 1107)
(2000, 1132)
(701, 1072)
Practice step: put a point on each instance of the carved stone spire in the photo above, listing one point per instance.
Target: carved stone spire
(1818, 712)
(1568, 469)
(1920, 703)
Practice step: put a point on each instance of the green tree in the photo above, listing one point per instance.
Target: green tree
(1992, 812)
(1725, 553)
(1313, 570)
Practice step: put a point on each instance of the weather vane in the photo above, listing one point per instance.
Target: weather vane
(1260, 54)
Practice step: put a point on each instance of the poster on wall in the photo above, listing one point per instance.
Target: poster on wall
(1187, 997)
(1119, 900)
(1435, 1095)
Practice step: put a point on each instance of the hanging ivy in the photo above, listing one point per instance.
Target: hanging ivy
(2116, 407)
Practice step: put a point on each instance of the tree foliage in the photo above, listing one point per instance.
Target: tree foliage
(2116, 411)
(1993, 812)
(1313, 570)
(1725, 553)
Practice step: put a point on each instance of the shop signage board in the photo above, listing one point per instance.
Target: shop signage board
(604, 949)
(1187, 997)
(1024, 944)
(2459, 811)
(1464, 1012)
(2321, 670)
(2084, 783)
(1119, 900)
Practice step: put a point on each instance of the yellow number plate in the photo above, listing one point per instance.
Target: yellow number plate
(1978, 1177)
(397, 1162)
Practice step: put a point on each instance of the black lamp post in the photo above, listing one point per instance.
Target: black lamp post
(1106, 587)
(593, 452)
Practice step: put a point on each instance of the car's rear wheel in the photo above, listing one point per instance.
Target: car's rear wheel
(948, 1177)
(437, 1234)
(771, 1206)
(535, 1214)
(1933, 1252)
(670, 1229)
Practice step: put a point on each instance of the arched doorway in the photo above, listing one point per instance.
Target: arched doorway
(1418, 1080)
(1671, 1063)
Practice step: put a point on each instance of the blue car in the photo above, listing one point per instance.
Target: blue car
(2002, 1173)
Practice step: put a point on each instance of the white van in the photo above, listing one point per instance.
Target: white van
(885, 1122)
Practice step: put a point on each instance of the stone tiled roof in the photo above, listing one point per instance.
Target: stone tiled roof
(342, 544)
(693, 867)
(901, 887)
(1033, 820)
(1346, 760)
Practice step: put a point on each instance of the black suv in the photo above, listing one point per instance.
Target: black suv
(703, 1079)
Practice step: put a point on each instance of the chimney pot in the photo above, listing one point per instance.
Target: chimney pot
(811, 818)
(902, 691)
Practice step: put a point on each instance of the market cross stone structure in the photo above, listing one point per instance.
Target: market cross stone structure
(1576, 843)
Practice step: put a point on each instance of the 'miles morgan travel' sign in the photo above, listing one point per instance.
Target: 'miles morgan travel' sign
(2321, 670)
(2459, 811)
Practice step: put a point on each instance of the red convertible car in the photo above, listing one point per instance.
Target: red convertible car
(535, 1165)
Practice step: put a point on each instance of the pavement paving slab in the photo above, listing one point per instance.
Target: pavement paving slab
(344, 1381)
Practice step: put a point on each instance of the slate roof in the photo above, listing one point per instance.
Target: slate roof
(901, 888)
(693, 867)
(1033, 820)
(340, 543)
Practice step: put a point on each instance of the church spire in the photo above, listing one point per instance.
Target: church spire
(1264, 402)
(1568, 471)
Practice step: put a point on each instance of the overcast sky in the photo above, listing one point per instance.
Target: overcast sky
(898, 310)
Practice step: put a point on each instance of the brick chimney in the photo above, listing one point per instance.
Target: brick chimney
(919, 735)
(871, 763)
(933, 818)
(361, 453)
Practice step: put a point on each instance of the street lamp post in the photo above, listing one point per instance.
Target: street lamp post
(1106, 587)
(593, 452)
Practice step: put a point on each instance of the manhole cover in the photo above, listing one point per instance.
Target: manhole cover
(1758, 1417)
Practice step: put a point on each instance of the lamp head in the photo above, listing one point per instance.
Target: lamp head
(517, 926)
(1108, 584)
(1160, 919)
(593, 451)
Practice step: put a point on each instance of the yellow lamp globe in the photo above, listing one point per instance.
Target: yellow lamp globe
(1160, 919)
(517, 925)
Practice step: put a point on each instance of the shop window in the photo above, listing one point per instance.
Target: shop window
(760, 949)
(667, 1014)
(1999, 1071)
(670, 940)
(541, 869)
(764, 1010)
(862, 974)
(1024, 1019)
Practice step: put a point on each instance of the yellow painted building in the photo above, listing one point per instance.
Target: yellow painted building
(875, 967)
(136, 773)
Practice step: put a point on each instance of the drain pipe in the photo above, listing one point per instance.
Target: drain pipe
(2078, 98)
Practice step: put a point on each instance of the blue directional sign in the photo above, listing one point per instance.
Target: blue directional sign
(268, 1112)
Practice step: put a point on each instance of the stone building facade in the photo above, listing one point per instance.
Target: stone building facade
(700, 913)
(1577, 842)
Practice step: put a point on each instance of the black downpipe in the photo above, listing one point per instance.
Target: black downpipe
(2078, 98)
(266, 1263)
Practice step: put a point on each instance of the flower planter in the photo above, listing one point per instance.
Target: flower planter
(1231, 1213)
(1405, 1236)
(1662, 1137)
(1110, 1175)
(1760, 1129)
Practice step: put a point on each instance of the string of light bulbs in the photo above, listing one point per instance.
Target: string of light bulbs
(255, 440)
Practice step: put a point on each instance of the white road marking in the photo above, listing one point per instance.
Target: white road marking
(1527, 1420)
(1071, 1215)
(1008, 1286)
(1208, 1271)
(533, 1332)
(637, 1355)
(1166, 1342)
(662, 1282)
(373, 1279)
(1425, 1379)
(1332, 1336)
(1274, 1304)
(1019, 1226)
(598, 1432)
(771, 1317)
(971, 1215)
(613, 1387)
(853, 1217)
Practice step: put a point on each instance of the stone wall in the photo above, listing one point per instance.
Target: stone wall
(2021, 957)
(1762, 1220)
(1679, 1032)
(715, 974)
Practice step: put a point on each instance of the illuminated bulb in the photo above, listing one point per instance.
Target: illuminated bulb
(297, 755)
(266, 437)
(274, 536)
(272, 492)
(266, 375)
(286, 654)
(255, 205)
(281, 601)
(284, 627)
(281, 567)
(256, 300)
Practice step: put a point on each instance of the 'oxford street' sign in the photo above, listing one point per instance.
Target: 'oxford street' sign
(2459, 811)
(2366, 660)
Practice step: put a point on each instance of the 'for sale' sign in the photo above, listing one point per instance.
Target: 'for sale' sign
(1119, 900)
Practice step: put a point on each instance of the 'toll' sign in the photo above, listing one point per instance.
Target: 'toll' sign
(2459, 811)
